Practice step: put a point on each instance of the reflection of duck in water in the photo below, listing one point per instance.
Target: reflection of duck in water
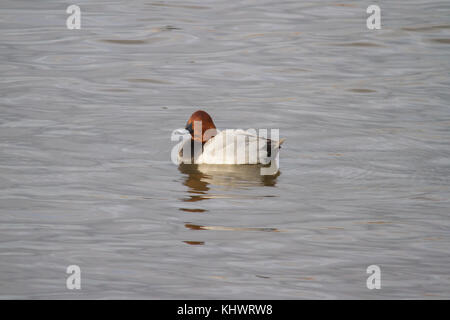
(207, 145)
(199, 177)
(205, 181)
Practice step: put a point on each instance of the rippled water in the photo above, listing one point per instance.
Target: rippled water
(86, 177)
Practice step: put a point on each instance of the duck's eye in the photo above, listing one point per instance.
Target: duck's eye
(189, 128)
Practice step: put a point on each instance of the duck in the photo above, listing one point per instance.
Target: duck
(205, 144)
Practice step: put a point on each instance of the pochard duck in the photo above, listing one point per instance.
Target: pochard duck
(208, 145)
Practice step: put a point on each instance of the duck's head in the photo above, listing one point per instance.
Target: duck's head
(201, 126)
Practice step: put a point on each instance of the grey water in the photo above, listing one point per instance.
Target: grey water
(86, 179)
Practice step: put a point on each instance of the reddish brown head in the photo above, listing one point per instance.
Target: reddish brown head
(201, 126)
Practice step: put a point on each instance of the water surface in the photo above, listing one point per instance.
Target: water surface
(86, 178)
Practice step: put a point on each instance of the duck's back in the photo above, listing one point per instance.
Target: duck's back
(238, 147)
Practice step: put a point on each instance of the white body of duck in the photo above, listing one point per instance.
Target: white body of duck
(230, 147)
